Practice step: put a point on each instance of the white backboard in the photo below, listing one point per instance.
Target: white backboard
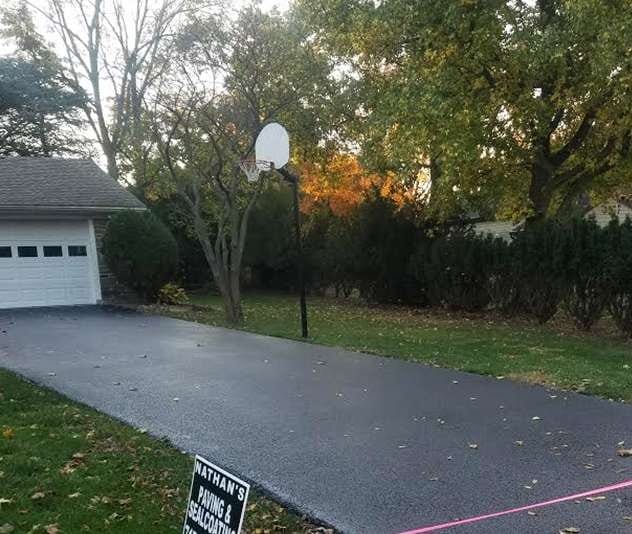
(273, 146)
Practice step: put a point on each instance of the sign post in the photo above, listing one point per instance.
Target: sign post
(217, 501)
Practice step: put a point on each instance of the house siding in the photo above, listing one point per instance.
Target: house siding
(501, 229)
(604, 213)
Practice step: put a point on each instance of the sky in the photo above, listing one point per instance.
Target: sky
(51, 36)
(281, 5)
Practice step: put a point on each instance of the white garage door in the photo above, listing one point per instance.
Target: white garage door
(47, 263)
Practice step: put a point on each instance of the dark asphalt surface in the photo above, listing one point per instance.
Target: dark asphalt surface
(367, 444)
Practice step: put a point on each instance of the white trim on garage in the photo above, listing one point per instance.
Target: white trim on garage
(65, 273)
(94, 262)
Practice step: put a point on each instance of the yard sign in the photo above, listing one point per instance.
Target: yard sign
(217, 501)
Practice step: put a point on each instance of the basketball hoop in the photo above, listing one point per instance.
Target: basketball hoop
(252, 167)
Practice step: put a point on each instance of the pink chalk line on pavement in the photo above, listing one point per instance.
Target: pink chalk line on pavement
(598, 491)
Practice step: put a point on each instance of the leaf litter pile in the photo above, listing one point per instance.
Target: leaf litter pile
(65, 468)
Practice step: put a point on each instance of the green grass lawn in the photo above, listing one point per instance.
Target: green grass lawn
(65, 468)
(516, 349)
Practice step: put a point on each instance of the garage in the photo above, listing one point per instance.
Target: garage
(49, 250)
(47, 263)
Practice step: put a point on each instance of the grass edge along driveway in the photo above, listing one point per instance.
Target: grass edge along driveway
(66, 468)
(517, 349)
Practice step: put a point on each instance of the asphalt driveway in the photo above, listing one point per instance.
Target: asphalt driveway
(367, 444)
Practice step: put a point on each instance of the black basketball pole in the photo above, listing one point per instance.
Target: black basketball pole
(293, 179)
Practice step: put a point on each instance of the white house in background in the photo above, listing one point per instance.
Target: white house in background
(52, 216)
(602, 215)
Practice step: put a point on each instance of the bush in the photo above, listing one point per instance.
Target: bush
(331, 250)
(503, 283)
(173, 294)
(618, 267)
(585, 278)
(140, 251)
(457, 270)
(384, 238)
(270, 247)
(540, 265)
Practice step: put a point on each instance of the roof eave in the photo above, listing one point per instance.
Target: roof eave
(22, 212)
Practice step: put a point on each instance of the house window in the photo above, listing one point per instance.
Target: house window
(5, 252)
(27, 252)
(77, 250)
(53, 251)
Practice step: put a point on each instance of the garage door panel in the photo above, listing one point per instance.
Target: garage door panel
(79, 295)
(56, 297)
(30, 273)
(7, 275)
(9, 296)
(49, 279)
(33, 297)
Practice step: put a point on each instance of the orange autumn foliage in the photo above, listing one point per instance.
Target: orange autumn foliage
(342, 183)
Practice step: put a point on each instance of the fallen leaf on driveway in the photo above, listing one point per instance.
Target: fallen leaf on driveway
(570, 530)
(599, 498)
(624, 453)
(473, 446)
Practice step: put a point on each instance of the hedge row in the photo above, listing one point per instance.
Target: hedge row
(577, 266)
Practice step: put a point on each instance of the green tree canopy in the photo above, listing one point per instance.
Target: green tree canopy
(40, 111)
(515, 107)
(232, 75)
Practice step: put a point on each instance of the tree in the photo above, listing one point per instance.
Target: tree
(203, 129)
(516, 107)
(341, 183)
(140, 251)
(40, 113)
(114, 54)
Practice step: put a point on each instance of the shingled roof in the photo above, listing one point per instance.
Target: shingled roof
(60, 183)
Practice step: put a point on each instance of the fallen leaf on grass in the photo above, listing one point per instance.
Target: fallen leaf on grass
(8, 433)
(5, 501)
(74, 495)
(38, 495)
(52, 529)
(6, 528)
